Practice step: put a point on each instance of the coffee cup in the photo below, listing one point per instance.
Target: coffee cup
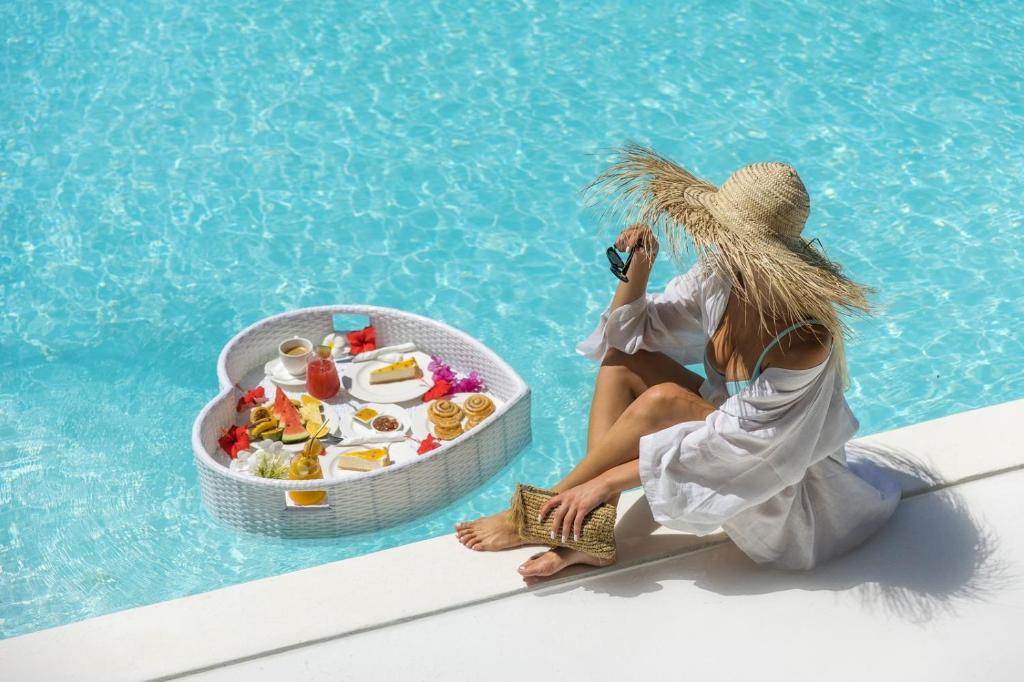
(294, 354)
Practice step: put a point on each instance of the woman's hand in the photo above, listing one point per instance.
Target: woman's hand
(640, 237)
(572, 506)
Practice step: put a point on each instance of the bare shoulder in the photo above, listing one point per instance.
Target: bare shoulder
(802, 348)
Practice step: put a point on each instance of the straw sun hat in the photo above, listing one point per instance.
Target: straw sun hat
(750, 226)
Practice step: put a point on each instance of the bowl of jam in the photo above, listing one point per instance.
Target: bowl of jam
(385, 423)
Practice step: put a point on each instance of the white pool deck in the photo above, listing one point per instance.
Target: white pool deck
(937, 595)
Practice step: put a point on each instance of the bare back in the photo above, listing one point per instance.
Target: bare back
(739, 340)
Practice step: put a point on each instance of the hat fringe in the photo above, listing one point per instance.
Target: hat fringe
(785, 279)
(643, 186)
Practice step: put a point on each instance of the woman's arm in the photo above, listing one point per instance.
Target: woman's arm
(574, 504)
(640, 238)
(669, 322)
(621, 477)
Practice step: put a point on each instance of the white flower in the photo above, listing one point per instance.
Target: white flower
(266, 459)
(241, 461)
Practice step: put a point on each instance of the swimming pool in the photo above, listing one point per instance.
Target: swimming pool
(175, 171)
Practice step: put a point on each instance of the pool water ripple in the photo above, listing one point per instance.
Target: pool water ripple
(173, 172)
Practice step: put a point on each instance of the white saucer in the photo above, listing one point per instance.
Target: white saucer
(276, 372)
(395, 392)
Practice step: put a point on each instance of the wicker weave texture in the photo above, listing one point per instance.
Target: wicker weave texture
(379, 498)
(598, 530)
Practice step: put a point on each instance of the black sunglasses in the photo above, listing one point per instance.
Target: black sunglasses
(808, 244)
(618, 266)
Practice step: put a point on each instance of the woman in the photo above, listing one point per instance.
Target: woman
(756, 449)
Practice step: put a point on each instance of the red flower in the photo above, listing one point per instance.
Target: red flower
(252, 397)
(427, 444)
(233, 440)
(362, 340)
(438, 390)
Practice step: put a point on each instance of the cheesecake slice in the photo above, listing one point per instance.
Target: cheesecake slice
(398, 371)
(364, 460)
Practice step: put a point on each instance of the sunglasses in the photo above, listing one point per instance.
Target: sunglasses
(619, 267)
(808, 244)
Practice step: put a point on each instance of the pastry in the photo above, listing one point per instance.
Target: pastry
(398, 371)
(446, 417)
(448, 433)
(444, 413)
(477, 408)
(364, 460)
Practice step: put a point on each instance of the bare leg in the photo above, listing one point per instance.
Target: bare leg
(657, 408)
(621, 379)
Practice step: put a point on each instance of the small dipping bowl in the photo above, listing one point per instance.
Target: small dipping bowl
(385, 423)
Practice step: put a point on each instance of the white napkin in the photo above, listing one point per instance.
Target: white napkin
(375, 438)
(376, 354)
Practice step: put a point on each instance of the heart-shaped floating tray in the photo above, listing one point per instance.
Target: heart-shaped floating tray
(375, 499)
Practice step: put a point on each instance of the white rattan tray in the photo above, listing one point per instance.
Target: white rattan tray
(379, 498)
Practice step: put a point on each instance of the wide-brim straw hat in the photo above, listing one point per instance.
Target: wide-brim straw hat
(751, 226)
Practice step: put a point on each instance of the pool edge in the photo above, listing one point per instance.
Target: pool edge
(243, 622)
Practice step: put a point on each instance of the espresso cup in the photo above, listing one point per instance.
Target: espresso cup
(294, 354)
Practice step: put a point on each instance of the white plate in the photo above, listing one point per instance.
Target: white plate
(396, 392)
(275, 371)
(350, 428)
(335, 454)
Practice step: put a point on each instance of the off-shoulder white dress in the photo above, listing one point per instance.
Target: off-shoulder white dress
(769, 465)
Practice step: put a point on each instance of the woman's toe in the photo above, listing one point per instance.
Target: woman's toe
(536, 565)
(549, 564)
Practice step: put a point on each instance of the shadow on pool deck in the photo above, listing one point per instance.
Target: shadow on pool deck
(931, 554)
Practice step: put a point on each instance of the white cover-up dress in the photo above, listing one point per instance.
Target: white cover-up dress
(769, 465)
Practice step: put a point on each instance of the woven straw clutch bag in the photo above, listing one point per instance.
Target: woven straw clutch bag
(598, 537)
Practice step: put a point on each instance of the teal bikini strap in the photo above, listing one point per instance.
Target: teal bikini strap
(757, 367)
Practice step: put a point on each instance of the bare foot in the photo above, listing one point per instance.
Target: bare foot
(543, 564)
(489, 533)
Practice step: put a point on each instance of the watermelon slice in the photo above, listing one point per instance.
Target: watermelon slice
(294, 431)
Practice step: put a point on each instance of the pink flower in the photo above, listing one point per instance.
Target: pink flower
(441, 372)
(474, 383)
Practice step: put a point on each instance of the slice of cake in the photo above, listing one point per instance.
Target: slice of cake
(364, 460)
(398, 371)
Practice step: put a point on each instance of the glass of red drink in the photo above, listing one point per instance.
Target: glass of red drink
(322, 376)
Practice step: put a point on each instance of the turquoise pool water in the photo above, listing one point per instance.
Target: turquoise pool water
(172, 172)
